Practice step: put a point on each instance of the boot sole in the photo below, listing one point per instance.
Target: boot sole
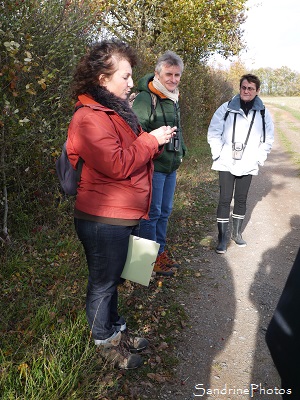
(131, 368)
(221, 251)
(165, 273)
(133, 350)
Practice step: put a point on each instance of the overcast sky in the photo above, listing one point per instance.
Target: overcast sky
(272, 34)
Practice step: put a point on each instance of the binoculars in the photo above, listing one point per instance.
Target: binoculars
(173, 144)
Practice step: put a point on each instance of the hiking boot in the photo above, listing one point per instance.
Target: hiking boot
(161, 268)
(134, 344)
(237, 222)
(113, 340)
(222, 236)
(120, 325)
(166, 259)
(120, 357)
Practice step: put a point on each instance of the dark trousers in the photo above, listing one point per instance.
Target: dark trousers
(228, 184)
(106, 249)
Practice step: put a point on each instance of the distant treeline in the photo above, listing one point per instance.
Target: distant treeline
(274, 81)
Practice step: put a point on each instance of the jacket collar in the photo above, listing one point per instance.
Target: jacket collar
(88, 101)
(114, 106)
(235, 103)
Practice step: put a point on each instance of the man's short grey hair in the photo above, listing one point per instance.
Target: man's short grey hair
(169, 58)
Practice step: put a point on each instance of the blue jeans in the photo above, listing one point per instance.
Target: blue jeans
(106, 249)
(163, 189)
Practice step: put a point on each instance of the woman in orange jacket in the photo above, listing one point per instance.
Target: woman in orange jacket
(114, 192)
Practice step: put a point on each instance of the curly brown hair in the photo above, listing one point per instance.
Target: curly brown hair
(98, 60)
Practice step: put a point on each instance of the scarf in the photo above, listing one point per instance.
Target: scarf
(247, 106)
(170, 95)
(120, 106)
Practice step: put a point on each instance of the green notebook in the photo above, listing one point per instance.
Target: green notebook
(140, 260)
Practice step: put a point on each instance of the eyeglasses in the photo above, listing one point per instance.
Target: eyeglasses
(249, 88)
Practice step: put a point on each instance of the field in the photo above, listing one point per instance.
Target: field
(286, 117)
(293, 102)
(290, 104)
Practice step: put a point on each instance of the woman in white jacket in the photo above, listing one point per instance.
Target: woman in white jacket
(240, 134)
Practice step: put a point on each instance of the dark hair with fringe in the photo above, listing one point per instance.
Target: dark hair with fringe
(100, 59)
(251, 78)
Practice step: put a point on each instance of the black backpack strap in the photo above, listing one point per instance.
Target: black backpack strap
(154, 99)
(250, 127)
(251, 124)
(80, 160)
(79, 169)
(233, 128)
(262, 112)
(77, 107)
(227, 112)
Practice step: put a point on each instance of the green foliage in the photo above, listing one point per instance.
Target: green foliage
(40, 43)
(200, 28)
(193, 29)
(196, 110)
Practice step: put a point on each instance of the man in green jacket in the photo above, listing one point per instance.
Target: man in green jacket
(157, 105)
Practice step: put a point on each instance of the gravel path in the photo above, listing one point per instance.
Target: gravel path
(222, 353)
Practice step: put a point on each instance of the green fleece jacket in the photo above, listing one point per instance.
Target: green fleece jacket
(165, 112)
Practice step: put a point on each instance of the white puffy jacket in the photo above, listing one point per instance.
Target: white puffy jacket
(220, 137)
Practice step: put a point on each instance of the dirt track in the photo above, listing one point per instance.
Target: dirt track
(223, 352)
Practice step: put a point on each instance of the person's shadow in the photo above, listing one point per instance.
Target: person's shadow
(216, 316)
(211, 311)
(257, 192)
(276, 262)
(265, 291)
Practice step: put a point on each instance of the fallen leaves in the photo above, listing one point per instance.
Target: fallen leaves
(163, 346)
(160, 378)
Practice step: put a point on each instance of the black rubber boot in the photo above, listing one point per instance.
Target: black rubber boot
(236, 232)
(222, 237)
